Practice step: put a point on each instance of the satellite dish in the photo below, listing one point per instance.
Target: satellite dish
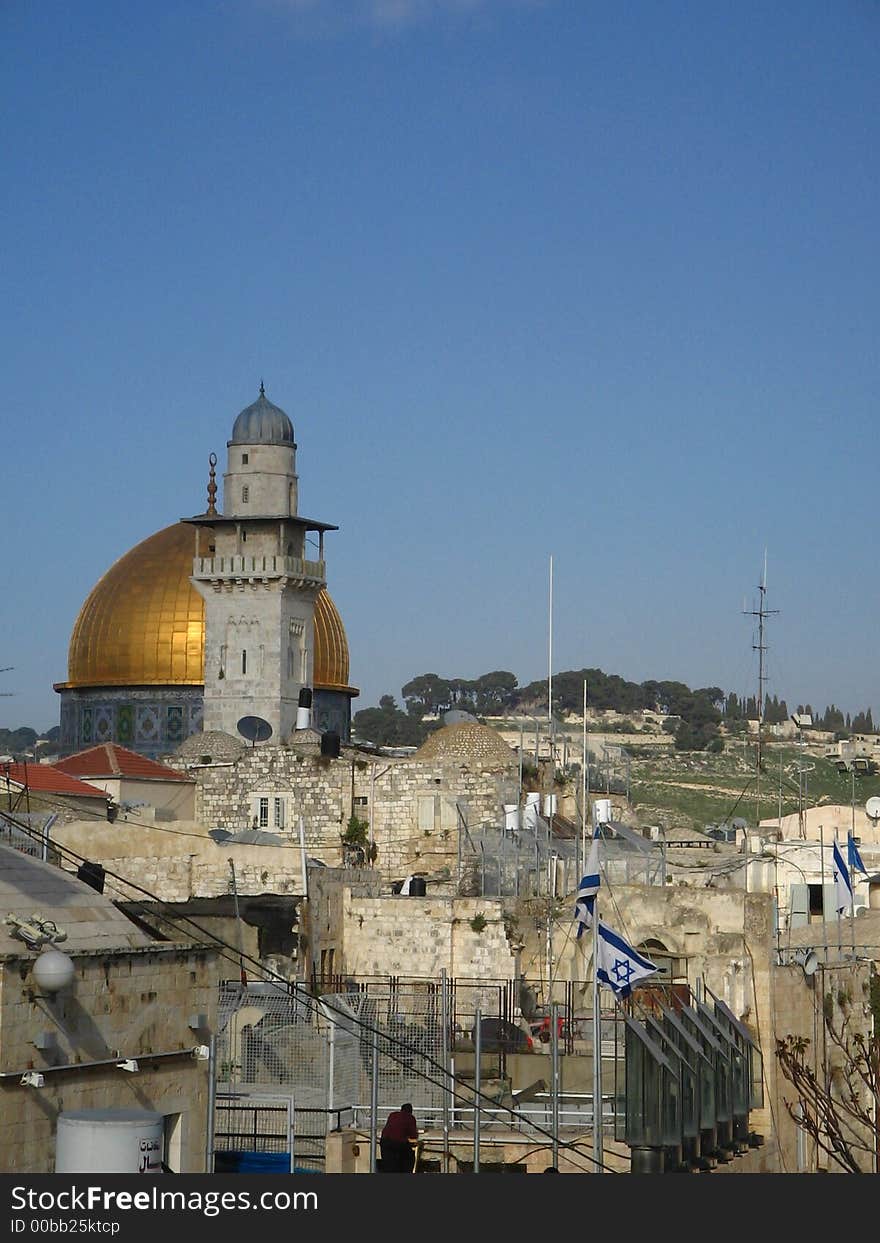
(254, 729)
(872, 807)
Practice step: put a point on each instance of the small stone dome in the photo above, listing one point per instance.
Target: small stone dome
(221, 748)
(262, 423)
(468, 743)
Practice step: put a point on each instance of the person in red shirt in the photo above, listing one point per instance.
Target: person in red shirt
(398, 1152)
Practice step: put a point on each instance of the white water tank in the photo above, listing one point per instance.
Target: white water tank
(551, 802)
(602, 811)
(511, 817)
(109, 1141)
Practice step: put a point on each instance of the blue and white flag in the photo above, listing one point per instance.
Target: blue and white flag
(585, 903)
(618, 966)
(854, 859)
(843, 889)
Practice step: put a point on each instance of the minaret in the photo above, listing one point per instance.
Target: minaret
(256, 578)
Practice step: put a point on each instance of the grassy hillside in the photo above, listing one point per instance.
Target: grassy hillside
(695, 789)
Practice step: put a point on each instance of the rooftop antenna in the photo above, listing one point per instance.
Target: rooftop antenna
(762, 613)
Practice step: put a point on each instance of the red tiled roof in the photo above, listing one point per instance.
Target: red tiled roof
(46, 779)
(111, 760)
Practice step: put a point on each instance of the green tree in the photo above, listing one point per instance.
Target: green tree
(387, 726)
(427, 693)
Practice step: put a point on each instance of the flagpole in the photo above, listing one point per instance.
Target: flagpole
(584, 783)
(837, 904)
(822, 874)
(597, 1049)
(550, 667)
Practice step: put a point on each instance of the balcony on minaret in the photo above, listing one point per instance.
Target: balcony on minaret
(260, 568)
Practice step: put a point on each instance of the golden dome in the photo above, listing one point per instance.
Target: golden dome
(144, 623)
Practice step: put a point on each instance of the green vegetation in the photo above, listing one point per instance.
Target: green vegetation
(687, 790)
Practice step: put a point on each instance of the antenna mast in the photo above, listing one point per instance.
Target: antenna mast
(762, 613)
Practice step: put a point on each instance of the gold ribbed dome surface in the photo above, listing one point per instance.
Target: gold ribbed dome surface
(144, 623)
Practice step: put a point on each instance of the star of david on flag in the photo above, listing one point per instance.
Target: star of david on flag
(585, 901)
(618, 965)
(842, 883)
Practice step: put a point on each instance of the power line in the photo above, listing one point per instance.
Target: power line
(230, 953)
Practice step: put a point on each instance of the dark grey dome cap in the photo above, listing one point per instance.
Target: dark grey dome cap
(262, 424)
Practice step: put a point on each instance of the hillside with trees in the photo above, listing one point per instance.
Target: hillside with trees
(697, 718)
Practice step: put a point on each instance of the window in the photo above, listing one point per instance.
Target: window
(270, 810)
(426, 806)
(245, 492)
(244, 662)
(817, 906)
(244, 535)
(244, 459)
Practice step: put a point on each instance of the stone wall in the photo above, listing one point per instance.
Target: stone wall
(799, 1003)
(122, 1004)
(410, 835)
(421, 936)
(182, 863)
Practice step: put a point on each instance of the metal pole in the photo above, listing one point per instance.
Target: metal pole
(374, 1097)
(554, 1079)
(447, 1088)
(478, 1048)
(822, 866)
(521, 730)
(303, 859)
(550, 669)
(241, 971)
(584, 781)
(598, 1137)
(212, 1105)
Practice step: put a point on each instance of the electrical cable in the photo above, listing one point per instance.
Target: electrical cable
(219, 945)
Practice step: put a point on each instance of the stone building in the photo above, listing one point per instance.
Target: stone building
(414, 808)
(235, 585)
(131, 999)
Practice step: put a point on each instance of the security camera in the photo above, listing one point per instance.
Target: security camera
(32, 1079)
(129, 1064)
(201, 1053)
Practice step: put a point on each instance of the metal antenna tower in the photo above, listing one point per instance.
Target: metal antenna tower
(762, 613)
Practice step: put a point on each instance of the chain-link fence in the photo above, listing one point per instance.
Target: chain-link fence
(533, 861)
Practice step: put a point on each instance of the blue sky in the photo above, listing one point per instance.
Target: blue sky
(530, 277)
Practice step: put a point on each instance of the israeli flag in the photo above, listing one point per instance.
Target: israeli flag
(618, 965)
(584, 907)
(854, 859)
(842, 883)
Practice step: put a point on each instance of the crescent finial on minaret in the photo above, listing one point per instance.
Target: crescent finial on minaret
(212, 484)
